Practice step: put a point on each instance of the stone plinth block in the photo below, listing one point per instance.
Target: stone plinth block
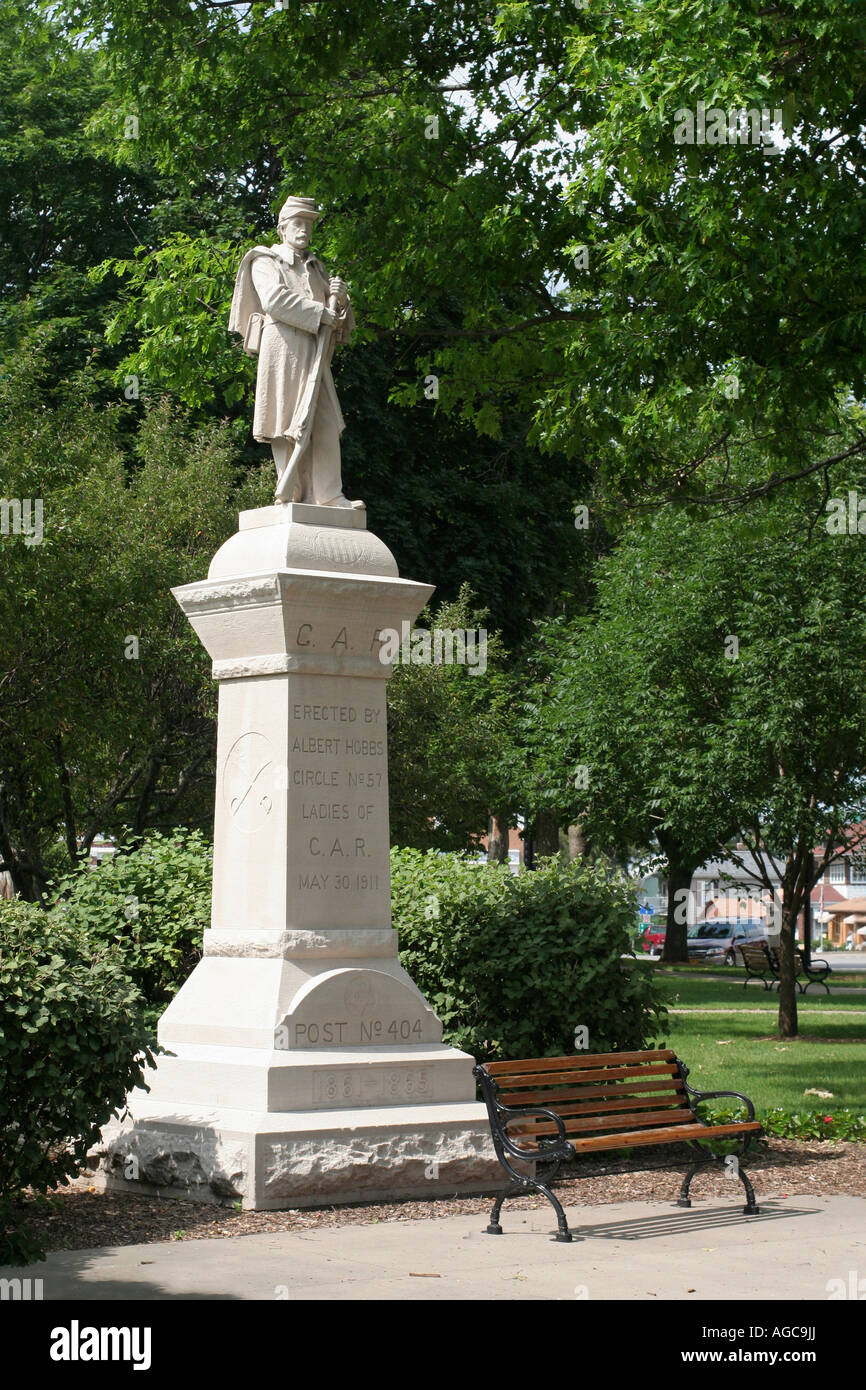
(302, 1063)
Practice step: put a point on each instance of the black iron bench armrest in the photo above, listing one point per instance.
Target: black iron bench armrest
(559, 1145)
(820, 969)
(721, 1095)
(501, 1115)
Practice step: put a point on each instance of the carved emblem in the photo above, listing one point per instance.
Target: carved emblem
(248, 781)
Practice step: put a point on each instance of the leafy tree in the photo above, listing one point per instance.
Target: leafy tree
(719, 695)
(63, 203)
(509, 199)
(446, 736)
(107, 714)
(634, 700)
(794, 743)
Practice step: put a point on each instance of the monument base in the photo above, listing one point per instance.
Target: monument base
(301, 1064)
(271, 1162)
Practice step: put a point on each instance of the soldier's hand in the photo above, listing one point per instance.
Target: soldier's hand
(339, 288)
(328, 318)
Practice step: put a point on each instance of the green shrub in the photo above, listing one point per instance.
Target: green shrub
(72, 1043)
(513, 964)
(800, 1124)
(152, 904)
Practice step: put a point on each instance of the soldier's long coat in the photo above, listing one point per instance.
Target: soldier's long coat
(291, 293)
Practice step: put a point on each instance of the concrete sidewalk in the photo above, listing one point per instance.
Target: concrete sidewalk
(629, 1250)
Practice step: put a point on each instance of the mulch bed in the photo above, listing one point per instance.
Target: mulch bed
(82, 1218)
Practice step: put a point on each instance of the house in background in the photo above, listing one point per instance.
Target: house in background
(721, 887)
(101, 848)
(515, 847)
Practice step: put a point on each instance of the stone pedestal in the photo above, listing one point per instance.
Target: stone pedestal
(305, 1065)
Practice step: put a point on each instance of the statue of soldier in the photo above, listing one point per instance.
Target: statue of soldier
(292, 315)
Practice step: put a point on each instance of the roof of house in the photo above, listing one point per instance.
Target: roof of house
(827, 893)
(845, 905)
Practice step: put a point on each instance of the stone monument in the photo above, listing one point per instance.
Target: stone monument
(303, 1064)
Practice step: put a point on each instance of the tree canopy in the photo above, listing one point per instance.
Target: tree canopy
(507, 195)
(714, 704)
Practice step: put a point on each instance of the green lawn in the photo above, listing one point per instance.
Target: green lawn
(685, 992)
(731, 1049)
(854, 978)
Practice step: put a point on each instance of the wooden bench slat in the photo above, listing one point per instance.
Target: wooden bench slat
(678, 1135)
(580, 1059)
(620, 1089)
(576, 1123)
(632, 1139)
(635, 1074)
(613, 1107)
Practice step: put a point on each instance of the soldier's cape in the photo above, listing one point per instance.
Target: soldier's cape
(245, 300)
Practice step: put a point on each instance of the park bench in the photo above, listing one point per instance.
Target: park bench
(547, 1110)
(761, 960)
(759, 963)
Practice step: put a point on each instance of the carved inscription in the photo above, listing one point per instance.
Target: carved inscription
(349, 1033)
(338, 638)
(402, 1083)
(337, 759)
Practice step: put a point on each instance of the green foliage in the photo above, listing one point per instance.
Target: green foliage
(149, 906)
(72, 1044)
(513, 964)
(705, 262)
(63, 203)
(108, 706)
(718, 692)
(187, 282)
(446, 737)
(789, 1124)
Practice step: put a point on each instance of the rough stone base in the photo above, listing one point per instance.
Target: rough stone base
(276, 1161)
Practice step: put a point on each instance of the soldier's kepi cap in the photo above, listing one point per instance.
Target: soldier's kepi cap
(299, 207)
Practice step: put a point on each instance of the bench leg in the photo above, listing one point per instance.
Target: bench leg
(563, 1233)
(751, 1208)
(683, 1200)
(494, 1228)
(807, 987)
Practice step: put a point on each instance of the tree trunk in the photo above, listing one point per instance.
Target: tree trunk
(576, 843)
(676, 932)
(497, 839)
(546, 833)
(528, 849)
(24, 866)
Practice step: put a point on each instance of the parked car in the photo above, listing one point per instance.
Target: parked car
(652, 939)
(717, 939)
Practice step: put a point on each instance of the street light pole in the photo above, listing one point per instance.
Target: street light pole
(807, 917)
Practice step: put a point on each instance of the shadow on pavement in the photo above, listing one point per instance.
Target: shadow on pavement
(62, 1279)
(682, 1221)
